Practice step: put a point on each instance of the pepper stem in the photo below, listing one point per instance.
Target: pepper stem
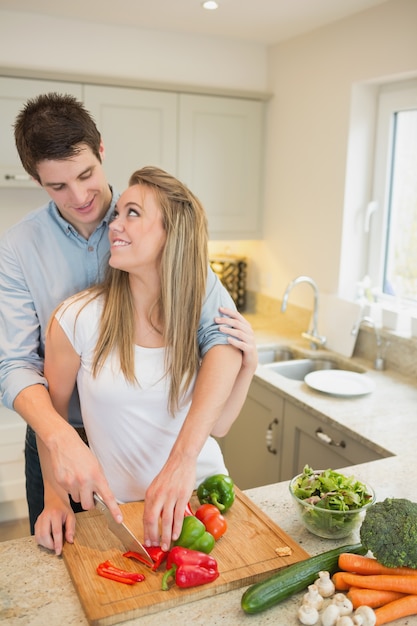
(170, 573)
(214, 498)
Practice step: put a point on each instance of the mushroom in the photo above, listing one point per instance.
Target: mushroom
(343, 604)
(313, 597)
(364, 616)
(345, 620)
(325, 585)
(308, 614)
(330, 615)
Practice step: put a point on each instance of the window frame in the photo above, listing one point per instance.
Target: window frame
(392, 98)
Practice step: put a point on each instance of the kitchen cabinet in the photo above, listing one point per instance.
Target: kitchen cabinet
(138, 127)
(13, 94)
(309, 440)
(252, 448)
(213, 144)
(12, 466)
(220, 156)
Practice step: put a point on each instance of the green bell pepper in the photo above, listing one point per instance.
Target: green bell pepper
(194, 536)
(218, 490)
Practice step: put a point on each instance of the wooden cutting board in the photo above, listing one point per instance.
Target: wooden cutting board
(245, 554)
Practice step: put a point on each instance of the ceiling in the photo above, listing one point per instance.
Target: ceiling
(260, 21)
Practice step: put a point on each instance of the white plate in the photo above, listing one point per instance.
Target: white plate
(340, 382)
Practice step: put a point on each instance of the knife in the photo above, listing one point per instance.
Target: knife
(121, 531)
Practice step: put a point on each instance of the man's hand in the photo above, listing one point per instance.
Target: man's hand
(54, 524)
(78, 472)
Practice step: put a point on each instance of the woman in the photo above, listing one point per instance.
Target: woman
(131, 346)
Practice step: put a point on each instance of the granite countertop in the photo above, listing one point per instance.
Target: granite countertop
(35, 587)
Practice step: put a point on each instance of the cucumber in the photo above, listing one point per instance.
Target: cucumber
(284, 583)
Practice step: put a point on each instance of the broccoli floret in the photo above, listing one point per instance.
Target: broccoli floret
(389, 531)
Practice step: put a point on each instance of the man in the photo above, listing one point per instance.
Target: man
(55, 252)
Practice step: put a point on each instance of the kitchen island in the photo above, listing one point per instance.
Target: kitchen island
(35, 587)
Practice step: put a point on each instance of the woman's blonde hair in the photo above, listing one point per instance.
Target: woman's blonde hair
(183, 273)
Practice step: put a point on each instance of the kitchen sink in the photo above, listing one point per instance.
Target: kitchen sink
(298, 368)
(275, 354)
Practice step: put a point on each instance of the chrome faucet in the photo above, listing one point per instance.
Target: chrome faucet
(312, 335)
(379, 363)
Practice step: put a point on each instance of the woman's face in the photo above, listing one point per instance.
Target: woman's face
(136, 233)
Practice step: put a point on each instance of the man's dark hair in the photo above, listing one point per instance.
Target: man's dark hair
(52, 126)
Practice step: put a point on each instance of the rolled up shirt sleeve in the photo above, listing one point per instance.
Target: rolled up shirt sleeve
(217, 296)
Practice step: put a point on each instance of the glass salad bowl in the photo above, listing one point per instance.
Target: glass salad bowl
(330, 505)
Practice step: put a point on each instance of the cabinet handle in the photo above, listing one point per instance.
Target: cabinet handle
(17, 177)
(269, 437)
(327, 439)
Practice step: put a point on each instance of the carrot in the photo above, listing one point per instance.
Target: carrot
(366, 565)
(404, 584)
(338, 579)
(372, 597)
(395, 610)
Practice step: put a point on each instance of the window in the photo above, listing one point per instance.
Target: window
(393, 212)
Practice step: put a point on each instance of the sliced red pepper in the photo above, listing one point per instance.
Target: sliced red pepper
(107, 570)
(190, 568)
(156, 553)
(188, 510)
(212, 519)
(119, 579)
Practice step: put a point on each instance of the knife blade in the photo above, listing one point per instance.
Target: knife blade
(121, 531)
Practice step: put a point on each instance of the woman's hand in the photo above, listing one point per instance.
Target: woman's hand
(166, 500)
(240, 334)
(54, 524)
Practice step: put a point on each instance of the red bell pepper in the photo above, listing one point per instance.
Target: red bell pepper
(107, 570)
(156, 553)
(212, 519)
(190, 568)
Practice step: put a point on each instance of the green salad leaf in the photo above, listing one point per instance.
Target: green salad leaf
(331, 490)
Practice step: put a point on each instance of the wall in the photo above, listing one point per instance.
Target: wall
(310, 218)
(42, 42)
(306, 203)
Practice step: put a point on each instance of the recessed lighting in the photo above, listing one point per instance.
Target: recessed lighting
(210, 5)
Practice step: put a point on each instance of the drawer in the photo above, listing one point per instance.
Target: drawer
(12, 490)
(12, 452)
(11, 471)
(308, 440)
(9, 417)
(12, 428)
(12, 434)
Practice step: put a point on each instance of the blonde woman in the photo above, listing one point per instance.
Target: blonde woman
(131, 345)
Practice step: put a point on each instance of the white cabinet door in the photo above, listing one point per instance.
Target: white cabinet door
(220, 155)
(138, 127)
(252, 448)
(12, 465)
(14, 92)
